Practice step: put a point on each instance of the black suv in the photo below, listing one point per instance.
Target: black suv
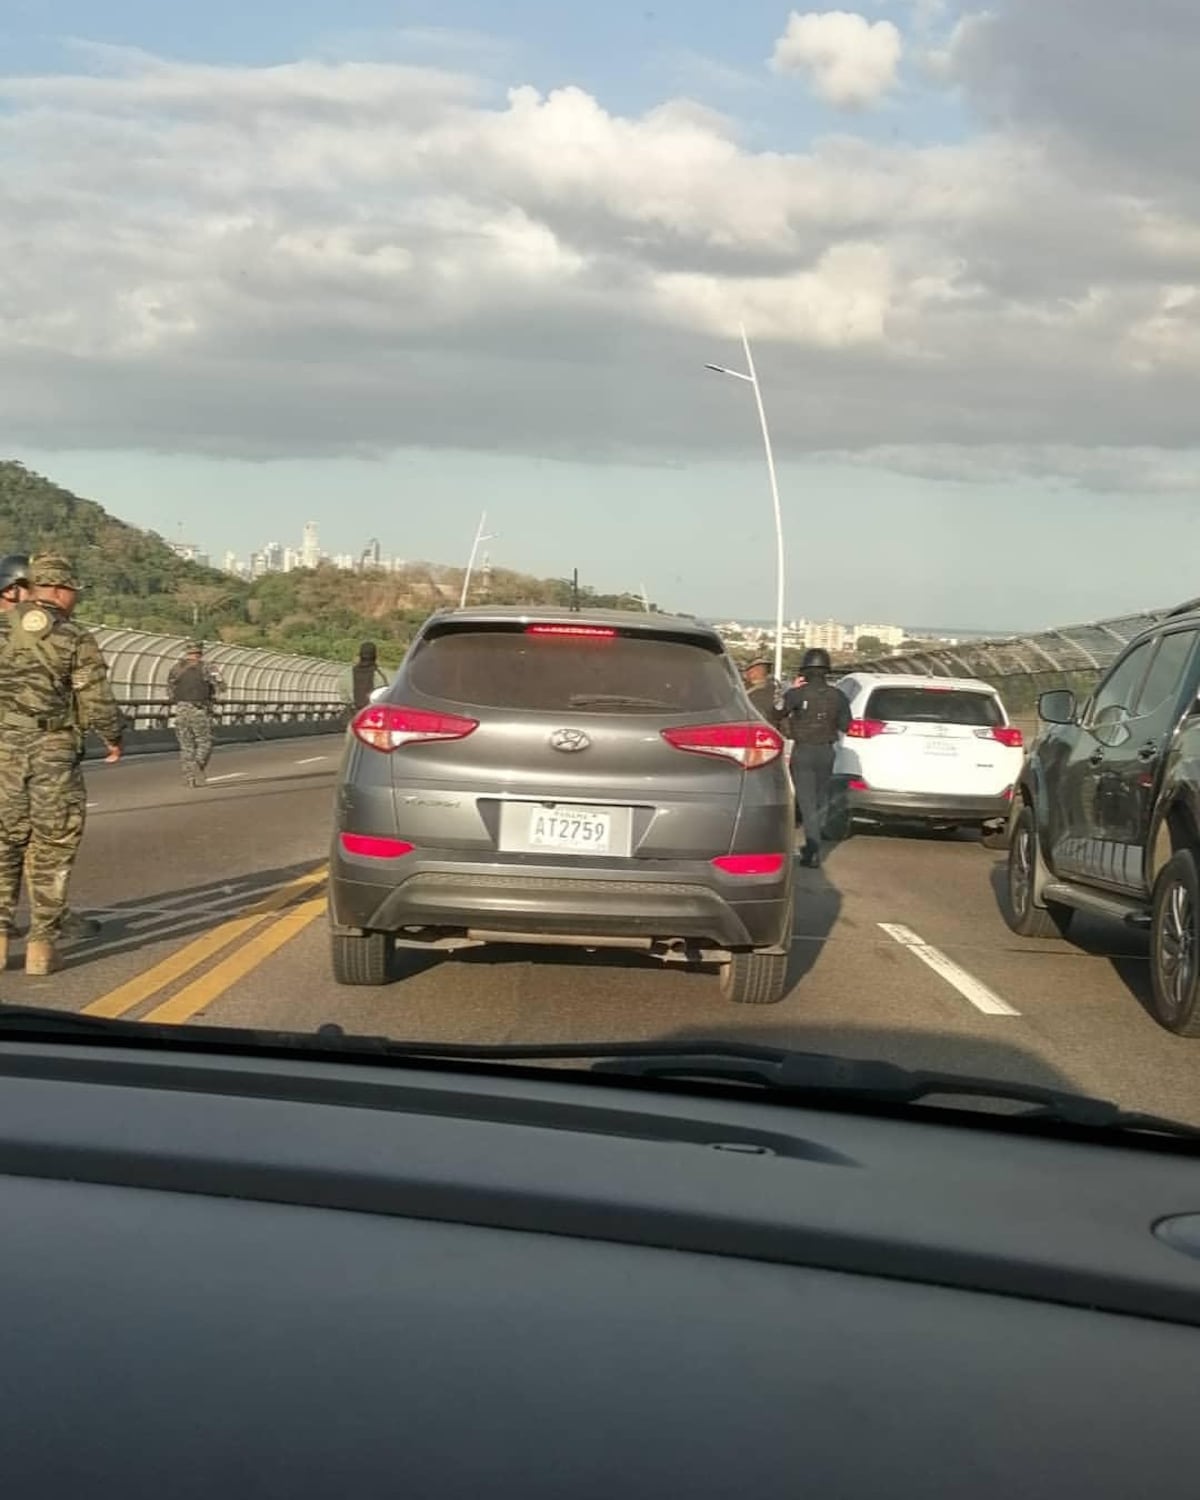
(1108, 815)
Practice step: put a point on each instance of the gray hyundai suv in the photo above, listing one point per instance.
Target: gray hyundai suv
(544, 776)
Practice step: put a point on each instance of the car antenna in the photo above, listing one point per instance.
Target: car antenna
(575, 591)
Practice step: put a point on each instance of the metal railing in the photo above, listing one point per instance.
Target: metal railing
(1021, 667)
(257, 681)
(145, 714)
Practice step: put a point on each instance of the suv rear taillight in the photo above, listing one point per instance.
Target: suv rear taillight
(376, 848)
(865, 729)
(1005, 733)
(750, 864)
(748, 745)
(388, 726)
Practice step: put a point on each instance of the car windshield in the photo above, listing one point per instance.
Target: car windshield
(933, 706)
(546, 524)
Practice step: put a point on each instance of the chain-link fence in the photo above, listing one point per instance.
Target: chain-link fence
(1021, 667)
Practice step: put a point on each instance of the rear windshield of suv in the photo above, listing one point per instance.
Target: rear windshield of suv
(908, 705)
(617, 674)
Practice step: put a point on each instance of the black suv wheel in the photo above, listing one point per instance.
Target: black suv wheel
(1174, 959)
(360, 959)
(754, 978)
(758, 978)
(1022, 911)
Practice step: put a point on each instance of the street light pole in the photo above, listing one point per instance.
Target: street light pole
(750, 374)
(480, 538)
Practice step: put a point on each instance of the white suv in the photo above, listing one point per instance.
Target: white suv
(934, 750)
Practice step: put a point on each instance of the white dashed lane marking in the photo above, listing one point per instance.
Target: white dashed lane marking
(311, 760)
(229, 776)
(966, 984)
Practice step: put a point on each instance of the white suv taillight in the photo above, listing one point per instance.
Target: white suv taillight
(1007, 734)
(388, 726)
(749, 745)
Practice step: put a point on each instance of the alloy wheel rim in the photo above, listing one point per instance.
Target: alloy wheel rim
(1021, 870)
(1177, 948)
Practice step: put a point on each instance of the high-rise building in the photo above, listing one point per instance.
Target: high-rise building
(310, 551)
(291, 559)
(258, 564)
(273, 552)
(231, 564)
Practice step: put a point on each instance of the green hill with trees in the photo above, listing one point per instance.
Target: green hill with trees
(133, 578)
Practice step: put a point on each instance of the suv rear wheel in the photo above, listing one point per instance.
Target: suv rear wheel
(1174, 965)
(754, 978)
(360, 959)
(758, 978)
(1022, 911)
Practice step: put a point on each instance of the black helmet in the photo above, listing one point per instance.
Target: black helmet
(14, 569)
(816, 659)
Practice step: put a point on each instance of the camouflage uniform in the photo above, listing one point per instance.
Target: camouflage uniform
(193, 719)
(52, 678)
(14, 589)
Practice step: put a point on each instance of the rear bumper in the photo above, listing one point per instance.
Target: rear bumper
(927, 806)
(424, 896)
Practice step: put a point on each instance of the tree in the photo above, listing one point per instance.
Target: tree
(204, 600)
(868, 645)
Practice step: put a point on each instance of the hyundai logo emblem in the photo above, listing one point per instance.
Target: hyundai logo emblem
(569, 740)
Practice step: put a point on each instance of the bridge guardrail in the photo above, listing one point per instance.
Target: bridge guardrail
(264, 694)
(140, 662)
(1021, 667)
(157, 713)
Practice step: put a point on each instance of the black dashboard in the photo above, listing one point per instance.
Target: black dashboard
(277, 1277)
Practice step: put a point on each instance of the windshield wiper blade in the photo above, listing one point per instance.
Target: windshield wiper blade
(613, 700)
(810, 1076)
(875, 1081)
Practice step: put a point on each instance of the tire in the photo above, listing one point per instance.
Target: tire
(1022, 911)
(1174, 954)
(753, 978)
(360, 960)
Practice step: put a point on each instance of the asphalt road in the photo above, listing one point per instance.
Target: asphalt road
(213, 906)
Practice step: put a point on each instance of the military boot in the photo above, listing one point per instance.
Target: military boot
(40, 957)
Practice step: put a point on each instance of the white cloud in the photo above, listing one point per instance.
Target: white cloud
(850, 61)
(336, 258)
(843, 301)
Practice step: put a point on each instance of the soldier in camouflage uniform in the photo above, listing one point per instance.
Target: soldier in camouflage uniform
(52, 678)
(193, 685)
(14, 589)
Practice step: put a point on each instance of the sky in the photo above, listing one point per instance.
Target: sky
(386, 266)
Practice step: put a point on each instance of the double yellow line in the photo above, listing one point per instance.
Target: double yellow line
(293, 906)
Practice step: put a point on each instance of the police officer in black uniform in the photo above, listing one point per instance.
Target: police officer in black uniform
(760, 689)
(813, 716)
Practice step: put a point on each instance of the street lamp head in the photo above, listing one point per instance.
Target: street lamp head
(722, 370)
